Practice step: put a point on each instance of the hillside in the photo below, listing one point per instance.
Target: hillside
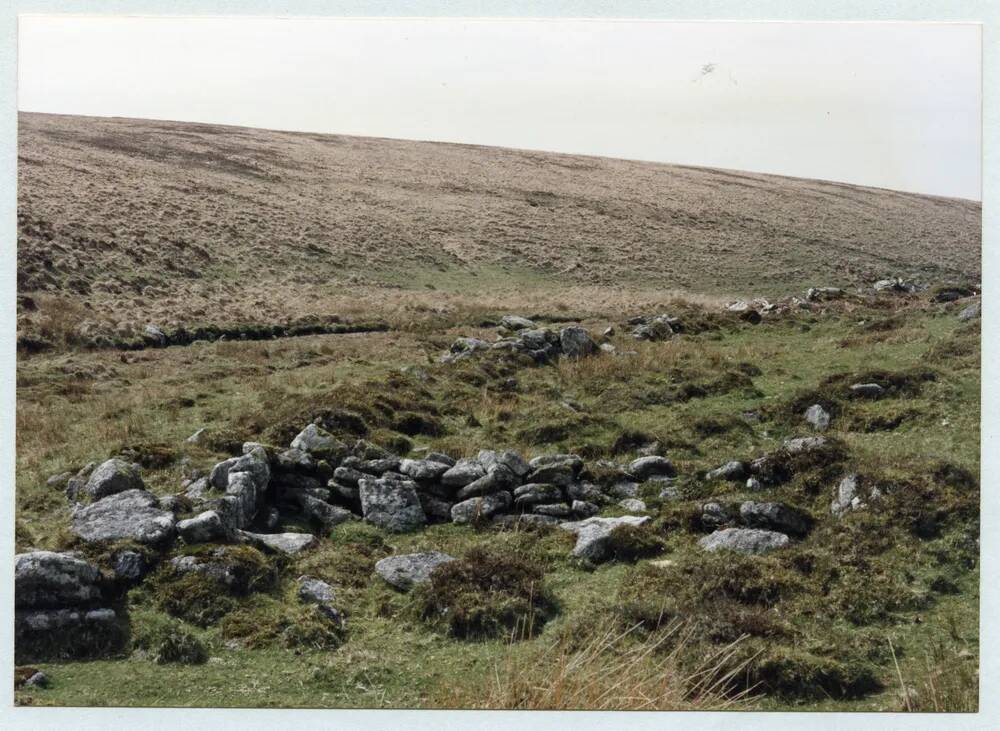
(192, 222)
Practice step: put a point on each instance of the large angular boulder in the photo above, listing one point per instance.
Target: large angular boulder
(497, 479)
(537, 494)
(731, 471)
(406, 571)
(512, 461)
(287, 543)
(515, 322)
(423, 470)
(206, 527)
(45, 579)
(391, 504)
(130, 515)
(749, 541)
(464, 472)
(111, 477)
(592, 534)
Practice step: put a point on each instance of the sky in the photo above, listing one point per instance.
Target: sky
(892, 105)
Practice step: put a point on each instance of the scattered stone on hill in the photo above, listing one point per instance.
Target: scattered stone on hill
(287, 543)
(970, 313)
(895, 284)
(801, 445)
(652, 467)
(867, 390)
(750, 541)
(478, 509)
(154, 336)
(633, 505)
(515, 322)
(731, 471)
(317, 592)
(950, 294)
(753, 484)
(391, 503)
(113, 476)
(130, 566)
(713, 515)
(197, 437)
(130, 515)
(463, 348)
(609, 332)
(818, 294)
(406, 571)
(818, 417)
(738, 306)
(592, 534)
(45, 579)
(37, 679)
(657, 327)
(59, 481)
(775, 516)
(851, 495)
(576, 342)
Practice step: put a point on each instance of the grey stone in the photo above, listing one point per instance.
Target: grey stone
(801, 445)
(731, 471)
(406, 571)
(379, 466)
(634, 505)
(391, 504)
(867, 390)
(653, 466)
(775, 516)
(478, 509)
(576, 342)
(497, 479)
(524, 520)
(537, 494)
(464, 472)
(131, 515)
(113, 476)
(154, 335)
(750, 541)
(440, 457)
(489, 459)
(130, 566)
(592, 534)
(319, 442)
(556, 510)
(45, 579)
(624, 489)
(713, 515)
(435, 508)
(970, 313)
(206, 527)
(584, 509)
(49, 635)
(287, 543)
(818, 417)
(315, 591)
(753, 484)
(59, 481)
(515, 322)
(423, 470)
(197, 437)
(323, 512)
(852, 495)
(38, 680)
(585, 491)
(348, 476)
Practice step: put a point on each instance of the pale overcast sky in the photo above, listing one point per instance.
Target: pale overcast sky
(891, 105)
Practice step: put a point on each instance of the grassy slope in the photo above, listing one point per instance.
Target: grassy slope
(75, 408)
(132, 221)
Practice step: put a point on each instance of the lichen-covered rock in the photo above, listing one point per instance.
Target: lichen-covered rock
(319, 442)
(592, 534)
(478, 509)
(801, 445)
(749, 541)
(391, 504)
(111, 477)
(515, 322)
(50, 635)
(512, 461)
(406, 571)
(497, 479)
(537, 494)
(45, 579)
(464, 472)
(632, 504)
(318, 592)
(130, 515)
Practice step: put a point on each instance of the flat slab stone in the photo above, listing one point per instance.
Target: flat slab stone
(288, 543)
(48, 579)
(404, 572)
(132, 515)
(749, 541)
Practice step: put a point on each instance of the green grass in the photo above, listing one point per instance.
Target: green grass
(906, 573)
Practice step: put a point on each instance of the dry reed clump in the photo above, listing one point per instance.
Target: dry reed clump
(613, 670)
